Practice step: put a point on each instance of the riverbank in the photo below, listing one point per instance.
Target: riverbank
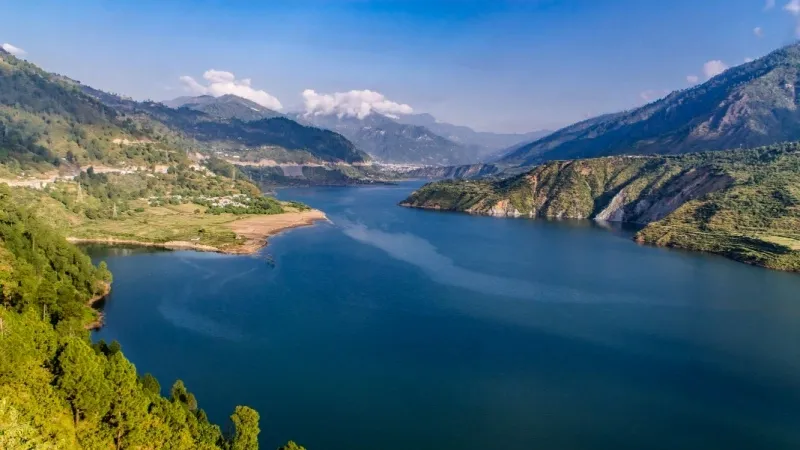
(251, 234)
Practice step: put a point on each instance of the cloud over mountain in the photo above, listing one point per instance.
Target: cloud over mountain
(221, 82)
(14, 50)
(652, 94)
(714, 68)
(353, 103)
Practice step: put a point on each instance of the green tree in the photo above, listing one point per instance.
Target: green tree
(178, 392)
(129, 404)
(82, 378)
(191, 402)
(291, 445)
(245, 429)
(150, 384)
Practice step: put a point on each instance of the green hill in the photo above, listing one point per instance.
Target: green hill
(59, 391)
(750, 105)
(743, 204)
(47, 122)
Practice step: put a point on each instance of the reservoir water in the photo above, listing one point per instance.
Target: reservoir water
(396, 329)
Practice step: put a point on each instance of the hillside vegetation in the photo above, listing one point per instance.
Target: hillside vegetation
(743, 204)
(50, 122)
(46, 122)
(57, 389)
(108, 173)
(750, 105)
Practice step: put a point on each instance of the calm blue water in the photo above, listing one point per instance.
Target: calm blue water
(395, 328)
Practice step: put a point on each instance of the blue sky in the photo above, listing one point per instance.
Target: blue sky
(514, 65)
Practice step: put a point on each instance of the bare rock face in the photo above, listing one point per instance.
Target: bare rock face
(504, 208)
(615, 211)
(691, 185)
(615, 189)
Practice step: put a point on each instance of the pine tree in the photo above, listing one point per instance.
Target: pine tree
(245, 434)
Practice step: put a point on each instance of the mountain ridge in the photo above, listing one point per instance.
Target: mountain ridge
(749, 105)
(226, 106)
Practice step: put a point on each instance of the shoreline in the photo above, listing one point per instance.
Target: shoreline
(638, 239)
(98, 322)
(255, 230)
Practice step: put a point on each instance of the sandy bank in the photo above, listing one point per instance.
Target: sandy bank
(253, 229)
(256, 229)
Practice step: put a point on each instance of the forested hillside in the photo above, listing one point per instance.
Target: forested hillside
(46, 122)
(59, 391)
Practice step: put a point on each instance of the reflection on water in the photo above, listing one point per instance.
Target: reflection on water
(102, 250)
(419, 252)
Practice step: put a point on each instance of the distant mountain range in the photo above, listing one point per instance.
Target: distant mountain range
(746, 106)
(418, 138)
(490, 142)
(390, 141)
(231, 123)
(409, 139)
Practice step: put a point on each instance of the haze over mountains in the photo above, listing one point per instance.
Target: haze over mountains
(465, 135)
(408, 138)
(419, 138)
(390, 141)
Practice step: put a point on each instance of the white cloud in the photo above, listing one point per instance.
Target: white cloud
(793, 7)
(652, 94)
(221, 82)
(353, 103)
(714, 67)
(14, 50)
(692, 79)
(758, 31)
(747, 60)
(769, 5)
